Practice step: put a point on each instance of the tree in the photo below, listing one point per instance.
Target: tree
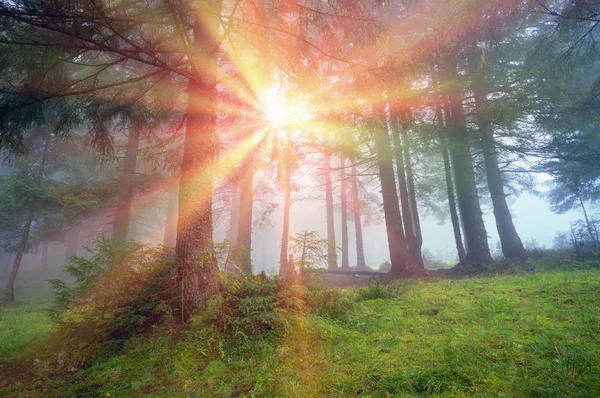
(344, 209)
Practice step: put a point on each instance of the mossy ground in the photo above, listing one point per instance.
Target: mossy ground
(532, 335)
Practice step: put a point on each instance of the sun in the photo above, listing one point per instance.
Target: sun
(274, 106)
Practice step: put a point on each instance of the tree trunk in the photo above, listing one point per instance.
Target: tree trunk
(393, 220)
(344, 205)
(444, 124)
(170, 237)
(331, 251)
(478, 252)
(512, 247)
(245, 218)
(197, 266)
(44, 259)
(123, 211)
(286, 266)
(234, 216)
(9, 293)
(360, 252)
(407, 213)
(72, 243)
(417, 240)
(587, 222)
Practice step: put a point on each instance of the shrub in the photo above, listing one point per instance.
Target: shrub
(247, 305)
(121, 290)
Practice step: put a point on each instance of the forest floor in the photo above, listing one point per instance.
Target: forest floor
(514, 336)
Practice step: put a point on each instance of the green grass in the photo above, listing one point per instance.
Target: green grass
(24, 320)
(534, 335)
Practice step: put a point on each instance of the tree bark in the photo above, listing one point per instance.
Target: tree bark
(360, 251)
(393, 220)
(442, 114)
(331, 251)
(197, 266)
(123, 211)
(245, 219)
(344, 205)
(410, 229)
(417, 237)
(286, 266)
(512, 247)
(478, 252)
(9, 293)
(170, 237)
(234, 216)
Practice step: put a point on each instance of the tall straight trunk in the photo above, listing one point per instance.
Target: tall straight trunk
(360, 251)
(417, 240)
(197, 266)
(444, 122)
(245, 220)
(9, 293)
(234, 215)
(344, 205)
(123, 211)
(44, 259)
(478, 252)
(452, 203)
(397, 245)
(408, 214)
(512, 247)
(331, 248)
(285, 265)
(170, 237)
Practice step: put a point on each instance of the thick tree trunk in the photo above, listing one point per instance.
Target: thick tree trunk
(512, 247)
(170, 236)
(478, 252)
(9, 293)
(397, 245)
(360, 251)
(197, 265)
(286, 266)
(331, 248)
(344, 205)
(123, 211)
(245, 220)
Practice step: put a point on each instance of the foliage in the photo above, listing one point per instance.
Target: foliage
(525, 335)
(120, 291)
(246, 306)
(309, 250)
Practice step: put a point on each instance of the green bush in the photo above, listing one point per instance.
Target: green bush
(247, 305)
(119, 291)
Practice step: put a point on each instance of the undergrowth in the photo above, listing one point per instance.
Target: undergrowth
(525, 334)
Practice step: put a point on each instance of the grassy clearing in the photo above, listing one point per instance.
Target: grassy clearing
(522, 335)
